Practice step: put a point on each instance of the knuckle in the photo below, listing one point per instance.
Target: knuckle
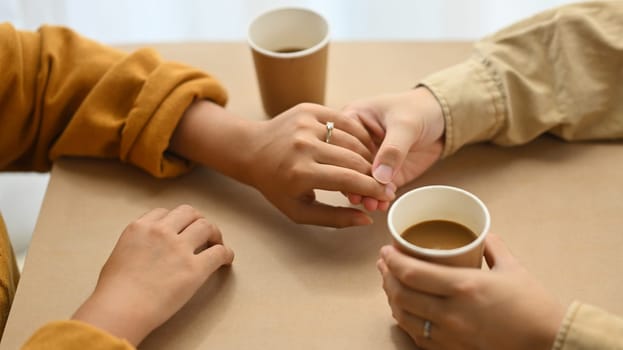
(399, 316)
(400, 298)
(455, 323)
(220, 252)
(204, 224)
(189, 209)
(296, 174)
(136, 226)
(392, 294)
(301, 143)
(407, 276)
(301, 121)
(391, 152)
(467, 288)
(158, 230)
(305, 106)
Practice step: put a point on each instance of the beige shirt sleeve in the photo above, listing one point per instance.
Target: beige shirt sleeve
(560, 72)
(587, 327)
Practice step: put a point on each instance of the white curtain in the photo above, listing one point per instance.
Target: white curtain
(123, 21)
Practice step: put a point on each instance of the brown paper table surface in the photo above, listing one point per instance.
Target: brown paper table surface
(557, 205)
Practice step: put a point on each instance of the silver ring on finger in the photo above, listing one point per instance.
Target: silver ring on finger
(330, 127)
(426, 330)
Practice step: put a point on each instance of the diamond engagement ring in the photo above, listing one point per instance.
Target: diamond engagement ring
(330, 127)
(427, 329)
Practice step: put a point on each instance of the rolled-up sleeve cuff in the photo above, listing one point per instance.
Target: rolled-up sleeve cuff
(70, 335)
(171, 89)
(472, 100)
(588, 327)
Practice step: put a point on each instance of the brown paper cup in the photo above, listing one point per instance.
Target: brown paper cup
(290, 48)
(441, 203)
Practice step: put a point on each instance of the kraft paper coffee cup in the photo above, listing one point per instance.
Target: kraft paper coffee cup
(290, 48)
(441, 203)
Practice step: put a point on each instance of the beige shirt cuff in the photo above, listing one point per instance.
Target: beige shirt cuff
(587, 327)
(472, 100)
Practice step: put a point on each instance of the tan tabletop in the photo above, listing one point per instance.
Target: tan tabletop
(558, 206)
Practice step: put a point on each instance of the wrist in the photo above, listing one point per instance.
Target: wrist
(210, 135)
(112, 316)
(427, 105)
(548, 332)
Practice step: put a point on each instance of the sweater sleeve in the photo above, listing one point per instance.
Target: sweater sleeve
(73, 335)
(64, 95)
(558, 72)
(586, 327)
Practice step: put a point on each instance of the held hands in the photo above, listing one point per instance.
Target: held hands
(504, 308)
(292, 158)
(392, 137)
(408, 129)
(159, 262)
(286, 158)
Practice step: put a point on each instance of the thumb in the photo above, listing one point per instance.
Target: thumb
(497, 254)
(392, 153)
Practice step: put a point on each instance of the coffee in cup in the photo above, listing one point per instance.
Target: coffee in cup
(439, 234)
(441, 224)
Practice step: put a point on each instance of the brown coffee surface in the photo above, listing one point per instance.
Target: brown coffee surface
(439, 234)
(290, 49)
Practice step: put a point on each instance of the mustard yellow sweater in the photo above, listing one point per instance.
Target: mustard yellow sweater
(64, 95)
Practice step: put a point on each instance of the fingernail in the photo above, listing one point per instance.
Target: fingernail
(363, 220)
(383, 173)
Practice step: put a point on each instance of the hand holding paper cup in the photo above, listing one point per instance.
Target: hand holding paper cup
(290, 48)
(441, 224)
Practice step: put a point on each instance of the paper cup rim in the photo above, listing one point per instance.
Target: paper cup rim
(301, 53)
(439, 253)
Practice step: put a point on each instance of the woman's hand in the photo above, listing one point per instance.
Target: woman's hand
(504, 308)
(158, 264)
(408, 129)
(291, 159)
(286, 158)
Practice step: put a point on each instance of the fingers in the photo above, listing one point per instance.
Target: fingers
(414, 327)
(342, 122)
(423, 305)
(392, 152)
(316, 213)
(201, 234)
(354, 198)
(198, 233)
(214, 257)
(343, 139)
(497, 254)
(423, 276)
(334, 178)
(342, 157)
(179, 218)
(153, 215)
(372, 204)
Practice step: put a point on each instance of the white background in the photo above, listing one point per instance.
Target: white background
(148, 21)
